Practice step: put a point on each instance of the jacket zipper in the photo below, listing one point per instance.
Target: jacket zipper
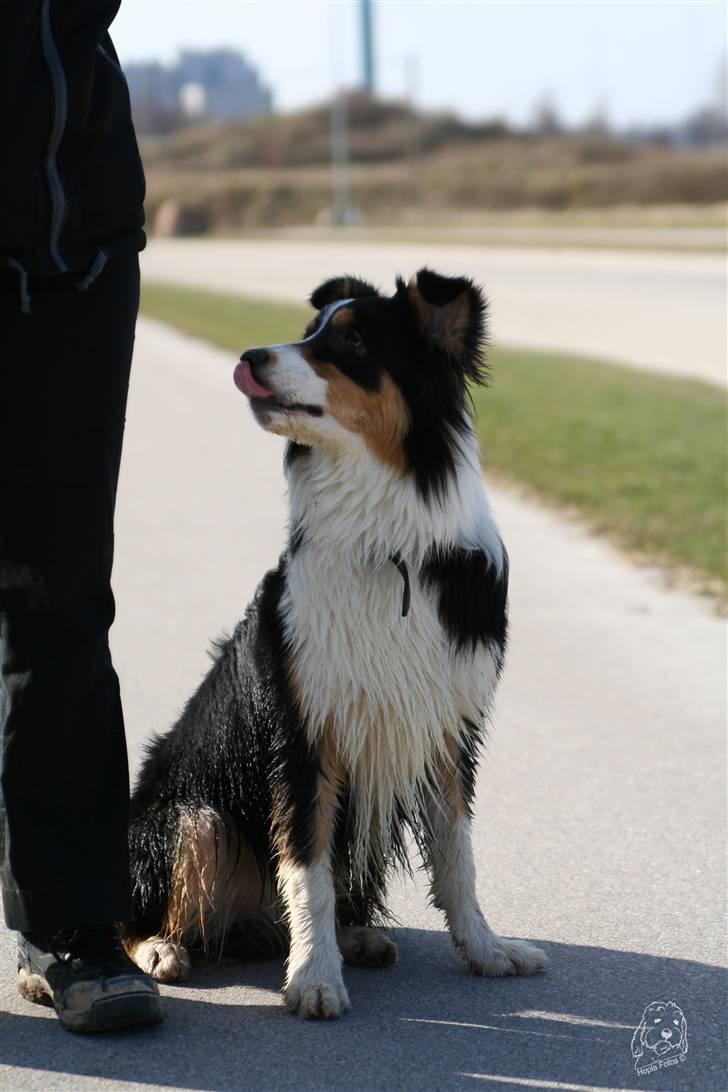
(60, 91)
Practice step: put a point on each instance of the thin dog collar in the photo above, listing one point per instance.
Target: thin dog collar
(397, 560)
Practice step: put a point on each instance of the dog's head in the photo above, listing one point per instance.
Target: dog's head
(662, 1028)
(384, 376)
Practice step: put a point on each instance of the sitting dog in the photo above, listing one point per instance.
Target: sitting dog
(349, 706)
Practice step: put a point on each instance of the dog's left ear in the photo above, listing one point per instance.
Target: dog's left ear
(451, 313)
(341, 288)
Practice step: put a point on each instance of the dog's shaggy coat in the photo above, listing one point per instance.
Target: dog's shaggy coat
(349, 706)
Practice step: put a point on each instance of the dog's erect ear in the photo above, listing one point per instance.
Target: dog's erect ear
(341, 288)
(450, 312)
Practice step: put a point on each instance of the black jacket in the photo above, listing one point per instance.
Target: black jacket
(71, 180)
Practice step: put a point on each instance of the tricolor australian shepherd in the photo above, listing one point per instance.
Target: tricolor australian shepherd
(349, 706)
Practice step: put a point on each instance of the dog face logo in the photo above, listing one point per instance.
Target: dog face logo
(660, 1038)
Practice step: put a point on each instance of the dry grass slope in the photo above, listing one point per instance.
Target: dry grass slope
(274, 171)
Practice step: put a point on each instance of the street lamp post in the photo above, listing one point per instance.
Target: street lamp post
(367, 40)
(340, 159)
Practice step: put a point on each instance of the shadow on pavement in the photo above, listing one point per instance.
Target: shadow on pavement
(423, 1025)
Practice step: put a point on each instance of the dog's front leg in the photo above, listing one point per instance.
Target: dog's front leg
(452, 870)
(314, 987)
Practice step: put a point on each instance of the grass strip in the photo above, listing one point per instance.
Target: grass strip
(641, 457)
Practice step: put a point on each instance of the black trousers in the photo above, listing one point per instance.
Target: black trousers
(64, 375)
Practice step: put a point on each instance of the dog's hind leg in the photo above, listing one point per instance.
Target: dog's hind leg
(363, 946)
(154, 838)
(165, 883)
(214, 885)
(452, 869)
(359, 903)
(164, 960)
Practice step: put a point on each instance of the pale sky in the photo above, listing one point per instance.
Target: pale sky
(645, 60)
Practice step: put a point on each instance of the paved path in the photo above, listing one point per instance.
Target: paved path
(662, 312)
(562, 232)
(599, 818)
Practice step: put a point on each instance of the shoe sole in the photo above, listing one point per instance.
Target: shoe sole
(122, 1010)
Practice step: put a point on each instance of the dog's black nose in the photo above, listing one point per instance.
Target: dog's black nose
(256, 357)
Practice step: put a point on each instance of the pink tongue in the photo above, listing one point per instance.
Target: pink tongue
(246, 382)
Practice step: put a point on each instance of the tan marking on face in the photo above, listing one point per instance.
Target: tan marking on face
(339, 318)
(342, 317)
(445, 324)
(380, 417)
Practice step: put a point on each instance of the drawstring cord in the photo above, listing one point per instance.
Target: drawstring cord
(97, 267)
(23, 286)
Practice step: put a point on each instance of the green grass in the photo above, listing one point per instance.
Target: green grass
(231, 322)
(641, 457)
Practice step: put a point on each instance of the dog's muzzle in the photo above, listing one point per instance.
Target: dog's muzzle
(262, 397)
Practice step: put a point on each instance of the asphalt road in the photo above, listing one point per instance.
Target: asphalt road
(664, 312)
(599, 829)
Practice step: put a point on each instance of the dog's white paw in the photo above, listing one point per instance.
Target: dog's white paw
(313, 1000)
(361, 946)
(493, 956)
(164, 960)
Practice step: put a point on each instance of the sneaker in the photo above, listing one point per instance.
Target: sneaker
(88, 978)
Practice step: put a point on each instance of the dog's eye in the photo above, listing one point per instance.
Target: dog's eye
(352, 340)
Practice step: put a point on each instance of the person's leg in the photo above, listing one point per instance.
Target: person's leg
(63, 387)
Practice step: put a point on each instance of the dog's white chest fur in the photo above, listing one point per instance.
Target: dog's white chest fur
(389, 691)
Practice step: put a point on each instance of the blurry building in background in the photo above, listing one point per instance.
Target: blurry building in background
(216, 85)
